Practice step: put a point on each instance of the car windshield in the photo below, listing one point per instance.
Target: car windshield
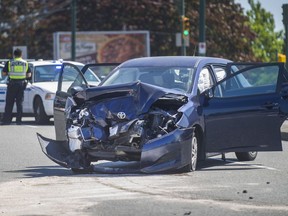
(179, 78)
(46, 73)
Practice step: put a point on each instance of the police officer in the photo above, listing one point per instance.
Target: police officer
(18, 71)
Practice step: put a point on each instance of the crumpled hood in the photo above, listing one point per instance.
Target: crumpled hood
(141, 94)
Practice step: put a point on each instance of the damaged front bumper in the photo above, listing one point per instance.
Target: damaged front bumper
(167, 153)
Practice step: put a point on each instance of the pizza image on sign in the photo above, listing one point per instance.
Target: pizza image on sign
(120, 48)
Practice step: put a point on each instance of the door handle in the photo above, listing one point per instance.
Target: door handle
(270, 105)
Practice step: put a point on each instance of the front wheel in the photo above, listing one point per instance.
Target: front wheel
(81, 164)
(193, 156)
(82, 171)
(246, 156)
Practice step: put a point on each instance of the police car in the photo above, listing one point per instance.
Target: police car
(40, 91)
(2, 81)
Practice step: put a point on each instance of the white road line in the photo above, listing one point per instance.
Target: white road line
(31, 126)
(252, 165)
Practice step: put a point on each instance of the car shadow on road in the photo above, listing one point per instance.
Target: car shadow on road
(112, 169)
(32, 123)
(41, 171)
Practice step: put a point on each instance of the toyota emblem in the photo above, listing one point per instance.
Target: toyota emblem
(121, 115)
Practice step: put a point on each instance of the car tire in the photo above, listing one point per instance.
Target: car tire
(246, 156)
(81, 171)
(85, 167)
(39, 112)
(192, 166)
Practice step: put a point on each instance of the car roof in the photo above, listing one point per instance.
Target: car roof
(179, 61)
(52, 62)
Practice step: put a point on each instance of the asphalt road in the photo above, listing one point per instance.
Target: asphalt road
(31, 184)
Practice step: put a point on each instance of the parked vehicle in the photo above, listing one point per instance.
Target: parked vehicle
(166, 113)
(40, 91)
(1, 78)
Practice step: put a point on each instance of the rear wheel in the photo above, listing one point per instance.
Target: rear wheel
(193, 156)
(246, 156)
(39, 112)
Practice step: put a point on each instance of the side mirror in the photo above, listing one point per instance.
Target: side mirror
(74, 90)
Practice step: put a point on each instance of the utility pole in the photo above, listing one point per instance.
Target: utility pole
(73, 29)
(183, 47)
(285, 22)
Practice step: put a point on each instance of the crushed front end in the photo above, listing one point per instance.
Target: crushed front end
(137, 122)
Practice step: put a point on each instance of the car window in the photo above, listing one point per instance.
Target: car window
(46, 73)
(258, 80)
(71, 77)
(220, 73)
(102, 70)
(90, 76)
(205, 80)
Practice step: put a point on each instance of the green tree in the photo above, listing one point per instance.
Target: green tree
(267, 43)
(160, 18)
(227, 32)
(32, 23)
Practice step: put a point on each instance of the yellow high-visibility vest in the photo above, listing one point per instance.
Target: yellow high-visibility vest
(17, 68)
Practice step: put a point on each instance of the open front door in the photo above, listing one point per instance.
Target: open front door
(247, 110)
(70, 76)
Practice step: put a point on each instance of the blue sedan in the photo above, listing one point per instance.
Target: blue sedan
(167, 113)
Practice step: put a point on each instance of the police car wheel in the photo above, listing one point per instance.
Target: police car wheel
(39, 112)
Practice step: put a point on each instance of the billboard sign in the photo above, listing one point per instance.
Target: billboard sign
(102, 47)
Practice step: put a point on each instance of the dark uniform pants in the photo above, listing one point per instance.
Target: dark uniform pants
(15, 91)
